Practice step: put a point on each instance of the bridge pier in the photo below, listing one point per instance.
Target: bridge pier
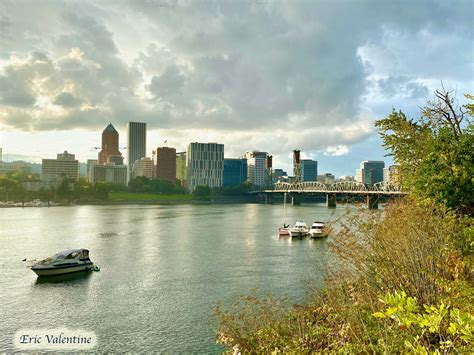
(372, 202)
(295, 199)
(268, 198)
(330, 200)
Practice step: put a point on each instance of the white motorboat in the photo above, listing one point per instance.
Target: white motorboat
(318, 230)
(300, 230)
(65, 262)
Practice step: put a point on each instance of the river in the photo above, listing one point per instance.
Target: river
(163, 269)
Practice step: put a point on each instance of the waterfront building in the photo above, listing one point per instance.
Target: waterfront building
(136, 143)
(65, 165)
(235, 171)
(110, 144)
(143, 167)
(181, 167)
(392, 174)
(111, 173)
(90, 169)
(370, 172)
(309, 170)
(327, 178)
(256, 167)
(205, 165)
(165, 164)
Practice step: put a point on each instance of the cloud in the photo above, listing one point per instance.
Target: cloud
(275, 75)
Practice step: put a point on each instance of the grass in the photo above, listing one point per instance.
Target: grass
(130, 196)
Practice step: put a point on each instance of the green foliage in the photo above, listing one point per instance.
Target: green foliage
(202, 193)
(435, 152)
(234, 190)
(101, 190)
(63, 190)
(142, 184)
(432, 328)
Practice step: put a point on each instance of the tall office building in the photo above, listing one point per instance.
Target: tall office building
(235, 171)
(256, 167)
(65, 165)
(110, 144)
(309, 170)
(143, 167)
(136, 143)
(370, 172)
(165, 164)
(205, 165)
(181, 167)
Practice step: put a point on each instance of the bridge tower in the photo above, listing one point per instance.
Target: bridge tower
(297, 166)
(269, 170)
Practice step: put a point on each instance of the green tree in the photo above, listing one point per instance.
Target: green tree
(64, 191)
(101, 190)
(202, 193)
(434, 151)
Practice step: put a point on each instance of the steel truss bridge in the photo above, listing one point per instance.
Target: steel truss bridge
(343, 187)
(296, 190)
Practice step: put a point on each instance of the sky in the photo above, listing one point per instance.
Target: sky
(252, 74)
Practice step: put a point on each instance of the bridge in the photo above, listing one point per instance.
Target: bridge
(298, 189)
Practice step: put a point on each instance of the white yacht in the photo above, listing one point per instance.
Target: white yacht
(300, 230)
(64, 262)
(318, 230)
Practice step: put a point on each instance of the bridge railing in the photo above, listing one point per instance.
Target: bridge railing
(340, 186)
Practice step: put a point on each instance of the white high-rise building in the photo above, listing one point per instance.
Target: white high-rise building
(205, 165)
(143, 167)
(256, 167)
(53, 170)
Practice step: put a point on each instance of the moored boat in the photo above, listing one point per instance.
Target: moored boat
(300, 230)
(318, 230)
(64, 262)
(284, 232)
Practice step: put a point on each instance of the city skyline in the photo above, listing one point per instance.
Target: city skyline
(275, 76)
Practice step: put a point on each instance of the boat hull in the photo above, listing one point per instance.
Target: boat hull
(318, 234)
(61, 270)
(298, 234)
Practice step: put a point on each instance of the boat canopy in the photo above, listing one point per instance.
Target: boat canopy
(72, 254)
(300, 224)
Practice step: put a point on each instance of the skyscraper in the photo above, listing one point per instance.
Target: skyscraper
(370, 172)
(309, 170)
(136, 143)
(110, 144)
(256, 167)
(235, 171)
(205, 164)
(181, 167)
(165, 164)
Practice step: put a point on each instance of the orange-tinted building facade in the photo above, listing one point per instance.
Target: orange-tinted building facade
(110, 144)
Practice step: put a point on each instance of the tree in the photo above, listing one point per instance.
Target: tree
(435, 151)
(101, 190)
(64, 190)
(202, 193)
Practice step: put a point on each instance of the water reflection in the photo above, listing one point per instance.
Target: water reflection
(74, 277)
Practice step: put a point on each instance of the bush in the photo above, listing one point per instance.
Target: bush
(410, 251)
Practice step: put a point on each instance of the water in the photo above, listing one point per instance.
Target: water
(163, 269)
